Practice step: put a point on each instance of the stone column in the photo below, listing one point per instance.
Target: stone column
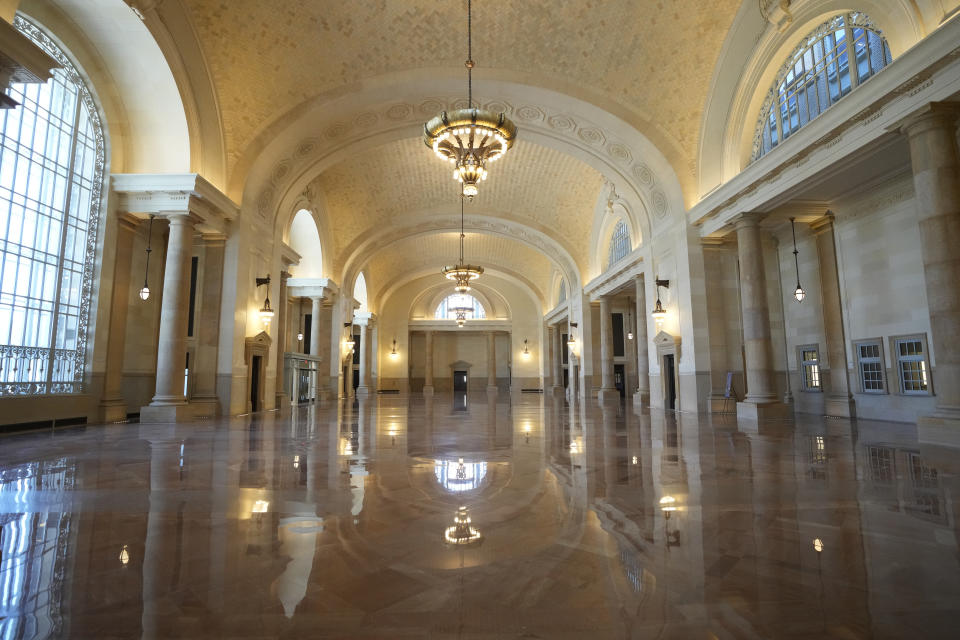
(208, 335)
(281, 339)
(839, 401)
(548, 356)
(169, 403)
(428, 372)
(932, 134)
(491, 362)
(642, 396)
(349, 390)
(315, 339)
(364, 389)
(113, 406)
(761, 400)
(558, 347)
(607, 390)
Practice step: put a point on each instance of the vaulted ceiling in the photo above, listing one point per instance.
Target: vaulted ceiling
(650, 59)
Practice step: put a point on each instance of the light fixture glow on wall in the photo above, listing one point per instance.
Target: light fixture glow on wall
(526, 349)
(266, 312)
(659, 313)
(349, 342)
(629, 321)
(469, 138)
(799, 294)
(145, 291)
(572, 339)
(393, 352)
(124, 556)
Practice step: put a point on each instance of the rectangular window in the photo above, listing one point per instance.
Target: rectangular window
(810, 367)
(870, 365)
(913, 367)
(565, 350)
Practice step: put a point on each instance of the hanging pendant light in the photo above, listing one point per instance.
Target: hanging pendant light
(629, 322)
(462, 274)
(300, 323)
(145, 291)
(469, 138)
(799, 294)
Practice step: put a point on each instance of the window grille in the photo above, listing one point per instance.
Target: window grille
(810, 367)
(619, 243)
(912, 366)
(818, 74)
(870, 359)
(445, 308)
(51, 176)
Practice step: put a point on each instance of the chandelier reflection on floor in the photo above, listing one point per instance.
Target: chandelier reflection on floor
(459, 476)
(462, 532)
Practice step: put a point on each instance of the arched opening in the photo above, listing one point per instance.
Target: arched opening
(51, 177)
(305, 240)
(360, 293)
(619, 245)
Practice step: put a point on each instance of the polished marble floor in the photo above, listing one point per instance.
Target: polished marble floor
(478, 518)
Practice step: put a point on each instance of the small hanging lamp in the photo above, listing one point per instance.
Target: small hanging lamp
(145, 291)
(629, 322)
(798, 293)
(659, 313)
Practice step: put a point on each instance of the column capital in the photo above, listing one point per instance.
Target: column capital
(824, 223)
(173, 195)
(933, 115)
(746, 219)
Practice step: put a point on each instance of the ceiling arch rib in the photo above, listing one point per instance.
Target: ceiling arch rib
(404, 259)
(328, 134)
(613, 53)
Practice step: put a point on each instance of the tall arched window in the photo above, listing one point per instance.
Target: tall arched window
(51, 175)
(445, 308)
(818, 74)
(360, 292)
(619, 243)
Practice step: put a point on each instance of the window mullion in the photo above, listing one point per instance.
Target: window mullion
(851, 55)
(75, 135)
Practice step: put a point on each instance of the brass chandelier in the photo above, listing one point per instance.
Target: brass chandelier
(462, 273)
(469, 138)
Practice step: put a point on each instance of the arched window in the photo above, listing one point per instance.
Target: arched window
(445, 310)
(51, 175)
(360, 292)
(818, 74)
(619, 243)
(562, 295)
(305, 240)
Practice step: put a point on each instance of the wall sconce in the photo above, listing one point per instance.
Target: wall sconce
(659, 313)
(266, 313)
(629, 321)
(571, 339)
(526, 350)
(145, 291)
(349, 343)
(393, 352)
(799, 293)
(124, 556)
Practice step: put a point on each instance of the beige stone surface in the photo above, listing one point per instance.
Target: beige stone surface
(654, 59)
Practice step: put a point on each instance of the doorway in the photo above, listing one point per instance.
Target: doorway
(255, 383)
(670, 383)
(459, 380)
(619, 379)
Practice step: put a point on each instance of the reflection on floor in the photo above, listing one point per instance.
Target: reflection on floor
(477, 517)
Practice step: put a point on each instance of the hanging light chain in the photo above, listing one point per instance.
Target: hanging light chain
(469, 63)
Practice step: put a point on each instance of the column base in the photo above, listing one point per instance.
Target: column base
(840, 407)
(363, 392)
(641, 399)
(492, 390)
(556, 390)
(608, 395)
(755, 411)
(428, 390)
(204, 406)
(113, 410)
(161, 413)
(941, 429)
